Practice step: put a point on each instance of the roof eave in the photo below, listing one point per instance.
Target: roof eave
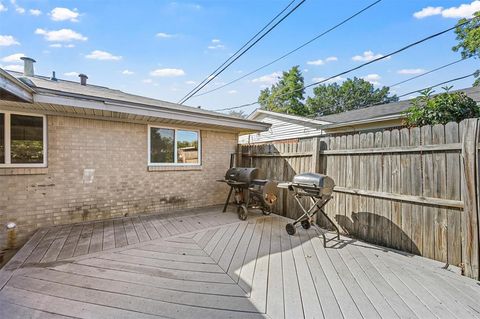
(15, 87)
(360, 122)
(80, 101)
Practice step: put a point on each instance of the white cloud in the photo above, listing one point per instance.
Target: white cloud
(8, 40)
(462, 11)
(316, 62)
(2, 7)
(190, 82)
(71, 74)
(147, 81)
(335, 79)
(372, 78)
(167, 72)
(410, 71)
(18, 8)
(268, 79)
(62, 35)
(164, 35)
(427, 12)
(127, 72)
(216, 44)
(102, 55)
(367, 56)
(215, 47)
(14, 67)
(62, 14)
(35, 12)
(13, 58)
(59, 45)
(322, 62)
(232, 92)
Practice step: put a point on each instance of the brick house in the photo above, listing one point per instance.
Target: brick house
(72, 152)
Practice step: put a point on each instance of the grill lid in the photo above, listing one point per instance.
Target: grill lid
(242, 174)
(314, 179)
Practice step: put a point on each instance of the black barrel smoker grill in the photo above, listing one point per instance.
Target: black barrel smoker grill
(249, 191)
(318, 188)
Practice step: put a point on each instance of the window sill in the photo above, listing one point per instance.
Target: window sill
(4, 171)
(167, 168)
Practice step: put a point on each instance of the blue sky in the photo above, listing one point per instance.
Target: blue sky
(162, 48)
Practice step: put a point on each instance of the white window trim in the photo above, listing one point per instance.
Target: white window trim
(199, 163)
(8, 141)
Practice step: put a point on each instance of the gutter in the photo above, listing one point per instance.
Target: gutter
(85, 101)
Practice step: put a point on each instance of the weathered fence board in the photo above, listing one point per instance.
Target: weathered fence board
(413, 189)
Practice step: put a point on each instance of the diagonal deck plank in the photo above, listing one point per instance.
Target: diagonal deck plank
(214, 266)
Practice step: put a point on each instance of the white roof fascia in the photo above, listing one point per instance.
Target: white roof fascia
(154, 111)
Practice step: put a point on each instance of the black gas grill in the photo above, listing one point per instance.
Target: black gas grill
(318, 188)
(249, 191)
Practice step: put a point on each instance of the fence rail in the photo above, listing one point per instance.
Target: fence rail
(413, 189)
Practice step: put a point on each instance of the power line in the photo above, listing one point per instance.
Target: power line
(292, 51)
(243, 46)
(438, 84)
(186, 98)
(364, 64)
(431, 71)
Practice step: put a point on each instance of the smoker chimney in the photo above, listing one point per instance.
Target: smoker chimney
(28, 66)
(83, 79)
(53, 78)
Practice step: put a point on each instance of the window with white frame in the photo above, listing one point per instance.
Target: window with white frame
(171, 146)
(22, 140)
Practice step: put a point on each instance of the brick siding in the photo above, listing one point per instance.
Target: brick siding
(122, 185)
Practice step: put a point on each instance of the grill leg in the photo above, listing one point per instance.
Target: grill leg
(228, 200)
(329, 220)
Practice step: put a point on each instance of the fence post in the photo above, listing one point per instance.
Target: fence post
(470, 225)
(315, 155)
(239, 156)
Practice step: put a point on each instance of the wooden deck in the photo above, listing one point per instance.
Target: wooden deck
(212, 265)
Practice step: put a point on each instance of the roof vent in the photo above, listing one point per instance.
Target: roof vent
(53, 78)
(83, 79)
(28, 66)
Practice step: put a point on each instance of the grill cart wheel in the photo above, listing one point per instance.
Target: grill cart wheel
(306, 224)
(290, 229)
(242, 212)
(266, 211)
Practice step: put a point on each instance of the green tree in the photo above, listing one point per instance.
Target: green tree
(468, 36)
(352, 94)
(441, 108)
(285, 96)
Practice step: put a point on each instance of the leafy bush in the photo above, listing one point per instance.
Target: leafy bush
(441, 108)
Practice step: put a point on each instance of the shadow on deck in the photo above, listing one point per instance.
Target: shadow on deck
(208, 264)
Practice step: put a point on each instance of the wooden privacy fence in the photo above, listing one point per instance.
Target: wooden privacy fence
(412, 189)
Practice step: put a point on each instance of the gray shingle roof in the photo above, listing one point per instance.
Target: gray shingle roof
(65, 87)
(384, 109)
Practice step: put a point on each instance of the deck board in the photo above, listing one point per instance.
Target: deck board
(213, 265)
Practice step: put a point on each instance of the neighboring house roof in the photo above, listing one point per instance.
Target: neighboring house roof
(284, 127)
(381, 112)
(110, 102)
(293, 118)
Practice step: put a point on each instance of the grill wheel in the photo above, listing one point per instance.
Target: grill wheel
(290, 228)
(305, 224)
(242, 212)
